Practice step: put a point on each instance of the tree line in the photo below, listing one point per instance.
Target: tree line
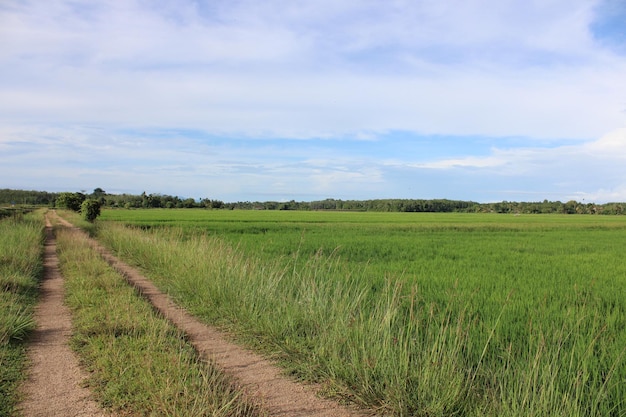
(74, 200)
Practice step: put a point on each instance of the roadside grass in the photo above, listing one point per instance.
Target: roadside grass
(139, 363)
(77, 220)
(21, 243)
(454, 317)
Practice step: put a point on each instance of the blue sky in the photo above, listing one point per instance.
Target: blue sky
(285, 99)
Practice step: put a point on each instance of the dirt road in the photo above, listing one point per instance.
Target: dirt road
(54, 384)
(56, 377)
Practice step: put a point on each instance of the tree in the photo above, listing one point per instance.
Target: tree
(90, 209)
(98, 192)
(570, 207)
(71, 201)
(100, 195)
(189, 203)
(217, 204)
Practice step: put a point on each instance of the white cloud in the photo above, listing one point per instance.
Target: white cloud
(313, 69)
(469, 162)
(77, 76)
(602, 195)
(611, 145)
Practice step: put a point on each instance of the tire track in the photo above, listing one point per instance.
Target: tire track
(53, 387)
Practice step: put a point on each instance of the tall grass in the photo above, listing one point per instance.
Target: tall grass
(21, 241)
(404, 348)
(139, 363)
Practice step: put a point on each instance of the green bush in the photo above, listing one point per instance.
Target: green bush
(71, 201)
(90, 209)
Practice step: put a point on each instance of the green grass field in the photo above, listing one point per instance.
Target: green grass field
(21, 242)
(411, 314)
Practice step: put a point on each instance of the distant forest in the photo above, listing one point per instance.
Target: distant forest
(42, 198)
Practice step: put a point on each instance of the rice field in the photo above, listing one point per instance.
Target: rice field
(421, 314)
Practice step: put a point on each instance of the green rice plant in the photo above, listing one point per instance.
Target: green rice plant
(560, 376)
(21, 242)
(139, 363)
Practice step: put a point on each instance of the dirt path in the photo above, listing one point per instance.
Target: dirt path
(260, 379)
(54, 384)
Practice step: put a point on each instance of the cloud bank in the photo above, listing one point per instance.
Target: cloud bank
(299, 99)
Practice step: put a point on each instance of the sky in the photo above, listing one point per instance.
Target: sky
(277, 100)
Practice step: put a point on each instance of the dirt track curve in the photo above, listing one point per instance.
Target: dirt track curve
(260, 379)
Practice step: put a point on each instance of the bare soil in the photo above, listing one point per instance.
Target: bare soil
(54, 387)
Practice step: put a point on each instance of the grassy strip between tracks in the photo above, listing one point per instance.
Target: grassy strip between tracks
(139, 363)
(21, 242)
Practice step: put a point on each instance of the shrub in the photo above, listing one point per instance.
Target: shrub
(71, 201)
(90, 209)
